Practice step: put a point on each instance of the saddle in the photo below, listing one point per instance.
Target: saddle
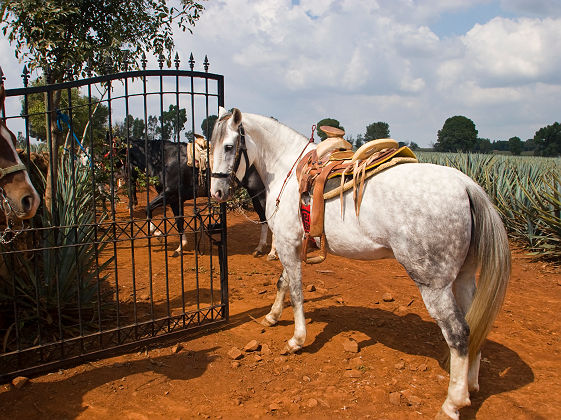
(199, 160)
(333, 168)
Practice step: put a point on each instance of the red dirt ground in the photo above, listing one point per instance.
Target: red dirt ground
(394, 375)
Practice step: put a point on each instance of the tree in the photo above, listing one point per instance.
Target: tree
(331, 122)
(377, 130)
(60, 37)
(483, 146)
(81, 119)
(457, 135)
(171, 123)
(135, 128)
(413, 146)
(515, 145)
(547, 140)
(208, 125)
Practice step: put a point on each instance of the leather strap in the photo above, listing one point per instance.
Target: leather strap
(12, 169)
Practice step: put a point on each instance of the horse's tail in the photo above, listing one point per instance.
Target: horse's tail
(490, 246)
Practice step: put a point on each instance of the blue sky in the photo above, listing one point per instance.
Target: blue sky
(410, 63)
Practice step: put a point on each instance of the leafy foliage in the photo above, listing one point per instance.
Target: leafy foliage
(548, 140)
(63, 35)
(208, 126)
(327, 121)
(457, 135)
(377, 130)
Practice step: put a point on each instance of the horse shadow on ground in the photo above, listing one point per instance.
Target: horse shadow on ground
(502, 369)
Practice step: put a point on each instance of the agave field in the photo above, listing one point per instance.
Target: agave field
(526, 191)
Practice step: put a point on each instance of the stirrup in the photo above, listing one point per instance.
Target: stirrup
(313, 259)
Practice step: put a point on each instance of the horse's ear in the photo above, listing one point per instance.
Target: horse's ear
(221, 112)
(236, 117)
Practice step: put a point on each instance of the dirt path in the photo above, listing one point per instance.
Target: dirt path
(394, 375)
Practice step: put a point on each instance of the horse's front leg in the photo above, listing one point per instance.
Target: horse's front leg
(291, 279)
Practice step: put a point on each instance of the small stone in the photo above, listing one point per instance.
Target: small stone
(414, 400)
(387, 297)
(399, 365)
(19, 382)
(144, 296)
(351, 346)
(257, 358)
(274, 407)
(265, 350)
(395, 398)
(236, 364)
(353, 373)
(253, 345)
(306, 378)
(235, 353)
(340, 300)
(177, 348)
(311, 403)
(355, 363)
(280, 359)
(422, 367)
(310, 288)
(321, 290)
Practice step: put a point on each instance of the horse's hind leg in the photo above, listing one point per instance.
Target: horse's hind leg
(464, 290)
(276, 310)
(262, 241)
(442, 306)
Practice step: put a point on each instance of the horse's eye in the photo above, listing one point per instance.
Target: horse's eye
(228, 148)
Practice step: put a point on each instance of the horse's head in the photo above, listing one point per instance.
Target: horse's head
(229, 159)
(18, 198)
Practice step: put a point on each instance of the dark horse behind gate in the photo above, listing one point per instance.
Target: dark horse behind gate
(178, 181)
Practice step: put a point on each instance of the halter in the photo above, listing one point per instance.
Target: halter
(11, 169)
(241, 149)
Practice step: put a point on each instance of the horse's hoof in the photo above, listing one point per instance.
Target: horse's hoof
(175, 254)
(267, 321)
(474, 389)
(441, 415)
(271, 257)
(258, 253)
(292, 348)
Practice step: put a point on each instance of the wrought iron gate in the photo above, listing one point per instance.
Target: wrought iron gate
(87, 276)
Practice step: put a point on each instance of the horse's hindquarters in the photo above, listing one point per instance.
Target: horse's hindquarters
(415, 212)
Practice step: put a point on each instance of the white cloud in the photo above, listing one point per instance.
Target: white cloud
(377, 60)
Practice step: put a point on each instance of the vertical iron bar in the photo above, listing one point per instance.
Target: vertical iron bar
(113, 213)
(180, 195)
(131, 214)
(54, 219)
(164, 182)
(74, 214)
(194, 186)
(147, 177)
(223, 248)
(25, 76)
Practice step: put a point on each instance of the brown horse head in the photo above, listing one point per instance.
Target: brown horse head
(18, 198)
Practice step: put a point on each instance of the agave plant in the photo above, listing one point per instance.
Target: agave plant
(58, 286)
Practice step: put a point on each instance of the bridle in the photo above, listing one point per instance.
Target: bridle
(241, 150)
(8, 235)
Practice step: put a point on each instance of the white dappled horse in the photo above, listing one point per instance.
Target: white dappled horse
(437, 222)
